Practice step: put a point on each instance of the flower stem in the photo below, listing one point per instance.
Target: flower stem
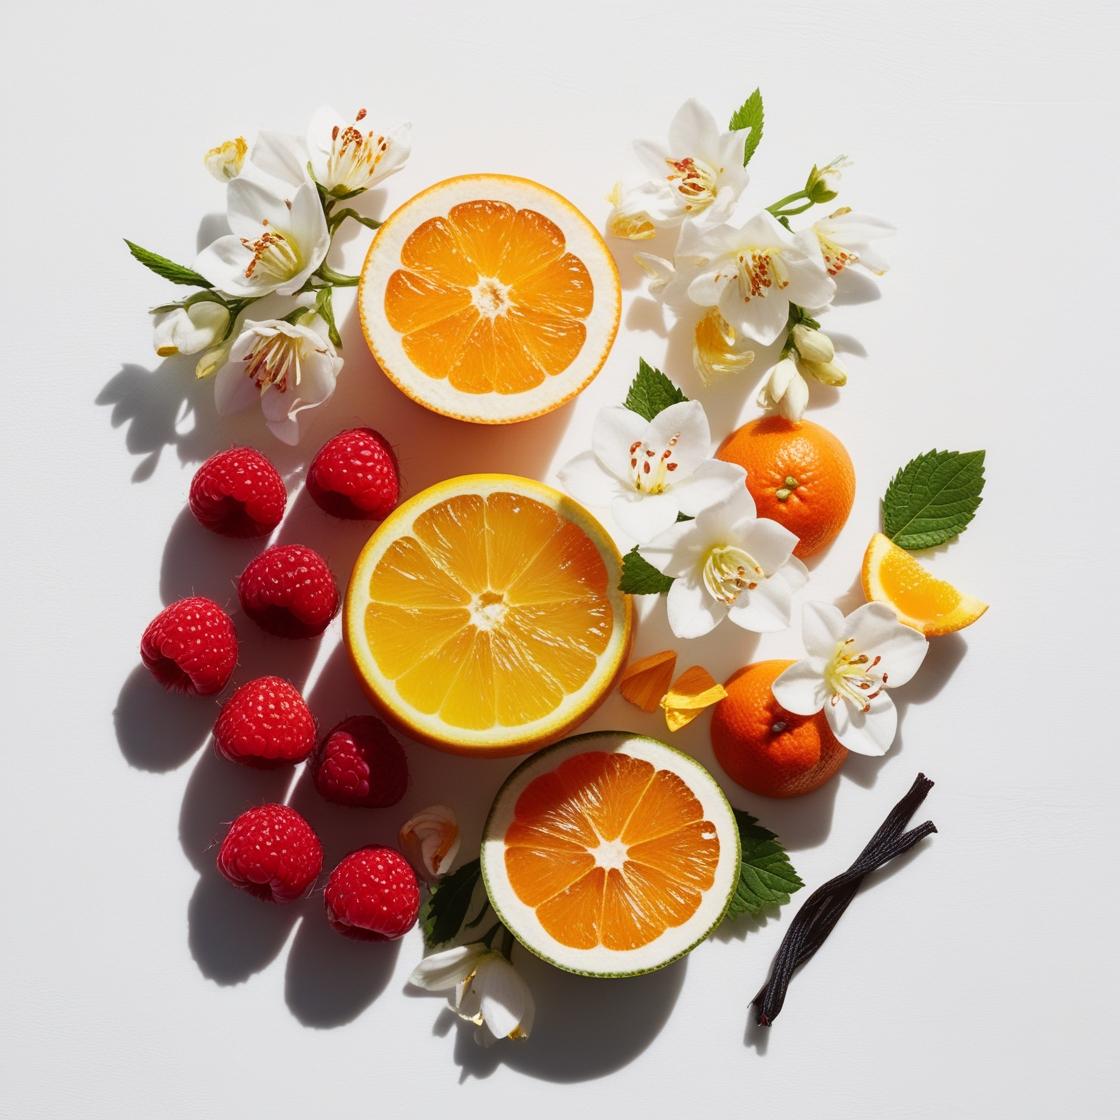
(778, 208)
(338, 279)
(338, 217)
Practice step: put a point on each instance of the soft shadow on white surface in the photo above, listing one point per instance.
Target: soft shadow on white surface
(585, 1028)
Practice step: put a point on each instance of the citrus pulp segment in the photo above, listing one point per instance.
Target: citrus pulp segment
(489, 298)
(484, 616)
(610, 854)
(891, 575)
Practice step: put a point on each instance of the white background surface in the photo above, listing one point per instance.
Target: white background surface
(978, 980)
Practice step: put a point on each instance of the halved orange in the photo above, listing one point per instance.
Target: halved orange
(484, 615)
(891, 575)
(489, 298)
(610, 854)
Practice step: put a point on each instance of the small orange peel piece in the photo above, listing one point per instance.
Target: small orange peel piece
(646, 681)
(693, 691)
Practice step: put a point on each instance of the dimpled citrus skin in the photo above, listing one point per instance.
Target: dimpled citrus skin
(289, 591)
(774, 451)
(271, 852)
(238, 493)
(372, 895)
(765, 748)
(360, 763)
(191, 646)
(265, 723)
(355, 476)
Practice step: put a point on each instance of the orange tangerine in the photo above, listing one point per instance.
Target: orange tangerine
(489, 298)
(799, 475)
(763, 747)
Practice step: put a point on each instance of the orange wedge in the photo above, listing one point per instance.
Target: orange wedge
(489, 298)
(610, 854)
(483, 615)
(891, 575)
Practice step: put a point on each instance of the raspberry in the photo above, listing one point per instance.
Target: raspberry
(289, 591)
(372, 895)
(271, 852)
(238, 493)
(191, 645)
(355, 475)
(360, 763)
(265, 723)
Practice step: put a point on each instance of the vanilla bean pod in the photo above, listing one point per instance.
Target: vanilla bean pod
(824, 907)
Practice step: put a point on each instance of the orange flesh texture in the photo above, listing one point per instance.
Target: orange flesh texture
(489, 298)
(490, 611)
(913, 590)
(658, 853)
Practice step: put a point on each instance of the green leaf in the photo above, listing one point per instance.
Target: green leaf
(169, 270)
(766, 876)
(933, 498)
(640, 577)
(445, 909)
(749, 115)
(651, 392)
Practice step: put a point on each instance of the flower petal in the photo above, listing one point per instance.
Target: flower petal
(280, 155)
(710, 483)
(871, 732)
(875, 630)
(686, 423)
(822, 629)
(761, 317)
(442, 971)
(693, 132)
(644, 516)
(233, 391)
(585, 479)
(506, 1001)
(764, 608)
(801, 688)
(223, 263)
(615, 431)
(768, 542)
(677, 550)
(692, 611)
(249, 205)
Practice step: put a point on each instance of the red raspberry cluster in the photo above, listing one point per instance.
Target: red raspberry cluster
(271, 851)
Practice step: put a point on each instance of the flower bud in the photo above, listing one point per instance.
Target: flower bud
(827, 373)
(211, 362)
(823, 183)
(784, 391)
(187, 330)
(813, 345)
(225, 161)
(430, 840)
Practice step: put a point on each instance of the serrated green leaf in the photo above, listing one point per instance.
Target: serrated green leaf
(640, 577)
(168, 269)
(766, 876)
(933, 498)
(749, 115)
(651, 392)
(445, 909)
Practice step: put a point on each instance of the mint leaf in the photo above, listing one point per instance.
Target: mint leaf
(933, 498)
(640, 577)
(749, 115)
(766, 876)
(651, 392)
(169, 270)
(445, 909)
